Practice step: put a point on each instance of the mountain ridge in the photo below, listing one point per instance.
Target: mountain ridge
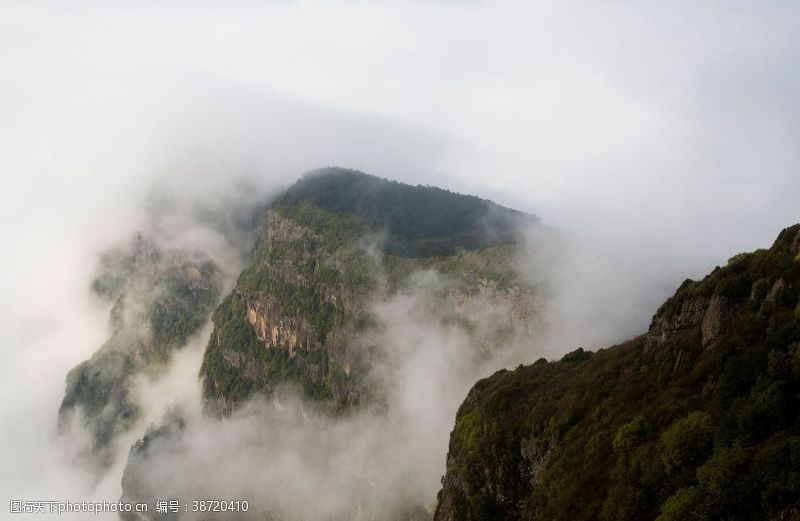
(305, 314)
(417, 221)
(654, 427)
(308, 291)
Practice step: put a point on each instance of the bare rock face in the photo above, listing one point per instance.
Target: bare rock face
(772, 298)
(716, 318)
(277, 332)
(690, 313)
(537, 453)
(284, 321)
(711, 315)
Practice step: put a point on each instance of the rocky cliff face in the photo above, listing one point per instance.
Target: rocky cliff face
(287, 320)
(687, 310)
(696, 419)
(300, 312)
(310, 312)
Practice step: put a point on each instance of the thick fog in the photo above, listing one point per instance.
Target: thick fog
(658, 139)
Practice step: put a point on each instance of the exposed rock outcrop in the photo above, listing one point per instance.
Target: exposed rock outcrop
(715, 320)
(687, 314)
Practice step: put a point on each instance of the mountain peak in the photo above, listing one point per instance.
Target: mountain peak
(418, 221)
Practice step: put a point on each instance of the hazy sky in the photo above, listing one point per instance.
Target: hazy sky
(679, 118)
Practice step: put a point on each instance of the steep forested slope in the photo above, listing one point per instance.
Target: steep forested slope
(338, 254)
(332, 245)
(697, 419)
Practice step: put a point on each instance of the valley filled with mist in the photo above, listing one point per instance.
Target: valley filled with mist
(400, 261)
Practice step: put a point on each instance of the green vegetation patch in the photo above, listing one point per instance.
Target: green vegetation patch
(626, 433)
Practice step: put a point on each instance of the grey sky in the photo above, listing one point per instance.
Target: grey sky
(679, 117)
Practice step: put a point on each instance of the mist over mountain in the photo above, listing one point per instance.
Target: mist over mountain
(262, 251)
(695, 419)
(160, 299)
(366, 310)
